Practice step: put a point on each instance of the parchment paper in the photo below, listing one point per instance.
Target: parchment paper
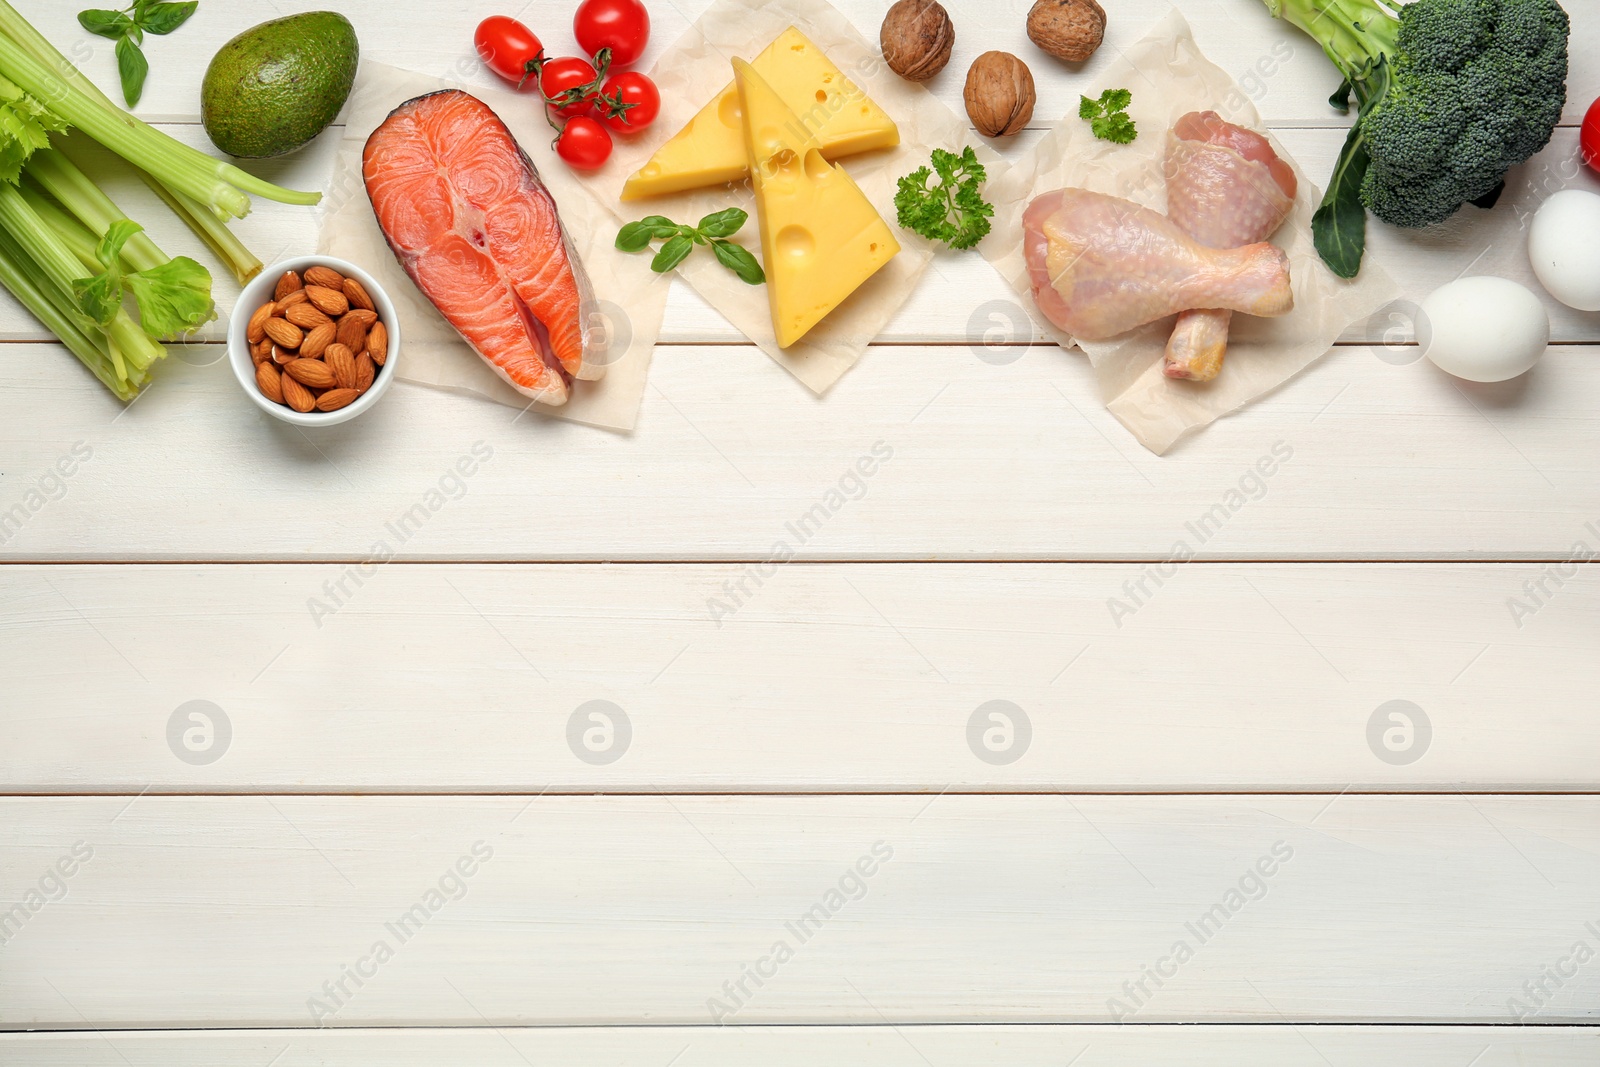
(694, 70)
(1169, 77)
(432, 352)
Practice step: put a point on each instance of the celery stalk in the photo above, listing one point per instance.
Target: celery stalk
(210, 229)
(62, 179)
(220, 186)
(17, 274)
(57, 263)
(74, 234)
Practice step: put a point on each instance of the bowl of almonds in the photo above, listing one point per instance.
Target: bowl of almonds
(313, 341)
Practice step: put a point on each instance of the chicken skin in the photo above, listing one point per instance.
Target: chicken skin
(1226, 187)
(1100, 266)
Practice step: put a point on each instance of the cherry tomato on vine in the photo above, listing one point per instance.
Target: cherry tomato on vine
(629, 102)
(1591, 135)
(620, 25)
(584, 143)
(569, 74)
(508, 48)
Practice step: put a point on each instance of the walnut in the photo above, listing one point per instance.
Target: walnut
(1067, 29)
(999, 94)
(917, 36)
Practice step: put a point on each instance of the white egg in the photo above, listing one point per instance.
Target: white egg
(1483, 329)
(1564, 246)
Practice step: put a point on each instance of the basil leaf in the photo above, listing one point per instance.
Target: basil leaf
(660, 226)
(162, 19)
(635, 236)
(134, 68)
(101, 23)
(1339, 227)
(738, 259)
(672, 253)
(724, 223)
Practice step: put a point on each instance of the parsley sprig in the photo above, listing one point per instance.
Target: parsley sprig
(714, 230)
(954, 211)
(127, 27)
(1108, 116)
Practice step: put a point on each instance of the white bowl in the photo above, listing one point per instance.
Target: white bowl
(260, 290)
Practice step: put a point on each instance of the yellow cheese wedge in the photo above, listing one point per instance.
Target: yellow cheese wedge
(709, 150)
(820, 236)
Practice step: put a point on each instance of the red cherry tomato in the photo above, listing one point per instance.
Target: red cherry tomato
(620, 25)
(584, 144)
(1591, 135)
(629, 102)
(569, 74)
(508, 48)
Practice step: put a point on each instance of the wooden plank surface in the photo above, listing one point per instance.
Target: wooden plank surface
(1367, 459)
(904, 1046)
(233, 911)
(819, 679)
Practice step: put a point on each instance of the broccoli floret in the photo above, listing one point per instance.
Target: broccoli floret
(1452, 93)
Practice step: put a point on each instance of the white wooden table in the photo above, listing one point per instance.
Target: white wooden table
(1353, 881)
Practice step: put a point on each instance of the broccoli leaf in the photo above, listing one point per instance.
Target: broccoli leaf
(174, 298)
(1339, 226)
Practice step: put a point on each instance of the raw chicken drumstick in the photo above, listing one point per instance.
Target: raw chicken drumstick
(1101, 265)
(1226, 187)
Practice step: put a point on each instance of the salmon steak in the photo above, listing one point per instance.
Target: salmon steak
(475, 228)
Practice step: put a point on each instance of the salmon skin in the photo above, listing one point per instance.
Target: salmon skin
(469, 219)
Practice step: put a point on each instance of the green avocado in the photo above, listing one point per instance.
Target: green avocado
(273, 88)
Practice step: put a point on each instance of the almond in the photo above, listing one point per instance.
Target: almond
(257, 329)
(364, 317)
(342, 362)
(267, 380)
(306, 317)
(334, 399)
(366, 372)
(352, 332)
(290, 300)
(326, 277)
(261, 351)
(378, 343)
(318, 340)
(280, 356)
(328, 301)
(310, 372)
(358, 296)
(287, 284)
(296, 395)
(284, 333)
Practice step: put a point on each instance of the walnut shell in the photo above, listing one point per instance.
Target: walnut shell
(1067, 29)
(916, 38)
(999, 94)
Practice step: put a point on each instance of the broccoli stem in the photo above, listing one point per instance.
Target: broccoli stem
(1355, 34)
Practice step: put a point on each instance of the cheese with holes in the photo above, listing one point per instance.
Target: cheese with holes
(709, 150)
(821, 238)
